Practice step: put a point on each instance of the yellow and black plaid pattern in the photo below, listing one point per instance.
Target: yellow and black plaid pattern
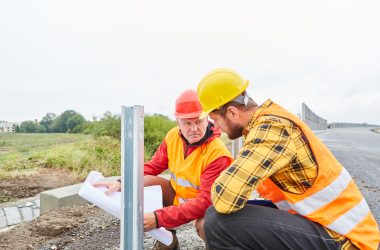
(275, 148)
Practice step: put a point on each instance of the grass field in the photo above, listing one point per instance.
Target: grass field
(22, 153)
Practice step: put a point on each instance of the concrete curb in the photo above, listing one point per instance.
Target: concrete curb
(13, 213)
(64, 196)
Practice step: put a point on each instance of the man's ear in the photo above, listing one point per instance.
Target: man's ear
(233, 112)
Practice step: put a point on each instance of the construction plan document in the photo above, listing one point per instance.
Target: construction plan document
(112, 203)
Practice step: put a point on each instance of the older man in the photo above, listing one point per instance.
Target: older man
(195, 156)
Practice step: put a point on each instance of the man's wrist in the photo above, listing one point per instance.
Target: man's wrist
(155, 216)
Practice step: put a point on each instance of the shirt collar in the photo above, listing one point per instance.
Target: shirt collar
(255, 115)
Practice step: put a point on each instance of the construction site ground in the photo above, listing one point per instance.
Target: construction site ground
(88, 227)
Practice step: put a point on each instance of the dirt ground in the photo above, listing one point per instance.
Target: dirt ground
(81, 227)
(32, 184)
(30, 235)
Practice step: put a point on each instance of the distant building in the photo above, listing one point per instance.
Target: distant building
(8, 127)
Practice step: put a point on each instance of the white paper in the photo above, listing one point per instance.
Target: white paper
(152, 202)
(96, 196)
(112, 202)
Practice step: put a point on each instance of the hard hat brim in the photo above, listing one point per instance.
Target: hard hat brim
(187, 115)
(203, 115)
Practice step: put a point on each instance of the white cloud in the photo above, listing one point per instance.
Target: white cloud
(94, 56)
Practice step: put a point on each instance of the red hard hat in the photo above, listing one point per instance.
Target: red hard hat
(187, 105)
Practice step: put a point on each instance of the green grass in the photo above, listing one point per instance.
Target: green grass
(21, 153)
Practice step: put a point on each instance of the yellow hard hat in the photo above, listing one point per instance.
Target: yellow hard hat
(219, 87)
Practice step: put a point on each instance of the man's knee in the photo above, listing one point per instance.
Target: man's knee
(198, 223)
(209, 219)
(215, 221)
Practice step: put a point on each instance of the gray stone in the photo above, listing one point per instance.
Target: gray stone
(3, 219)
(36, 212)
(29, 204)
(61, 197)
(13, 215)
(27, 213)
(64, 196)
(38, 203)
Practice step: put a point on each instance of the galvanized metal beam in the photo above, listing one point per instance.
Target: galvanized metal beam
(132, 161)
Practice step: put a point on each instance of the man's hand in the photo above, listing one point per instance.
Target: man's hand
(149, 222)
(113, 186)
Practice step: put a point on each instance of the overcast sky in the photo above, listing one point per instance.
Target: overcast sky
(95, 56)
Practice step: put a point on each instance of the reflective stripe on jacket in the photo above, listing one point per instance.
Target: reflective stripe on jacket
(186, 173)
(333, 201)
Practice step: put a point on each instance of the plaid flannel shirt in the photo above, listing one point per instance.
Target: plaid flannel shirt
(275, 148)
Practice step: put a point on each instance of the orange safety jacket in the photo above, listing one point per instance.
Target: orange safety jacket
(186, 173)
(333, 201)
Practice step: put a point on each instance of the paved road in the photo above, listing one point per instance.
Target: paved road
(358, 149)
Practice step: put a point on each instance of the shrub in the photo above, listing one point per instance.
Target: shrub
(155, 128)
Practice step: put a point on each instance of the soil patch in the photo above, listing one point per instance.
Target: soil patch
(29, 235)
(69, 228)
(81, 227)
(12, 189)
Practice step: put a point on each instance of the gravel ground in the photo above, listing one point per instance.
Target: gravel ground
(102, 231)
(81, 227)
(99, 231)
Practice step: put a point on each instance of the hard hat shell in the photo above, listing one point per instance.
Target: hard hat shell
(187, 105)
(219, 87)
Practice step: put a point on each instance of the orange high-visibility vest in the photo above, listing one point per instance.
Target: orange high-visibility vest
(333, 201)
(186, 173)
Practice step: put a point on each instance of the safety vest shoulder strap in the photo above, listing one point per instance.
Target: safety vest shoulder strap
(333, 200)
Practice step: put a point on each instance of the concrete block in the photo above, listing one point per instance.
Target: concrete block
(36, 212)
(61, 197)
(27, 213)
(29, 204)
(38, 203)
(64, 197)
(3, 219)
(13, 215)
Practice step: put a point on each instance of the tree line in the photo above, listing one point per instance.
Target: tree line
(69, 121)
(155, 126)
